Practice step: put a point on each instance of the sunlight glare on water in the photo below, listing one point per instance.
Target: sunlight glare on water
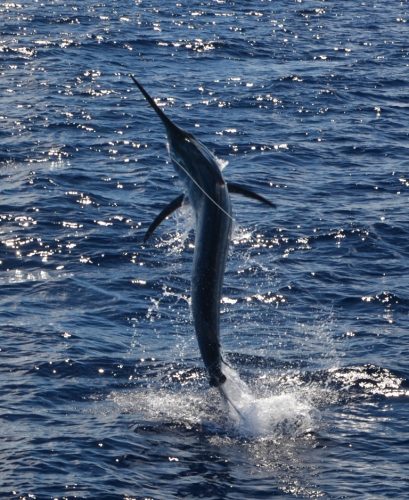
(103, 390)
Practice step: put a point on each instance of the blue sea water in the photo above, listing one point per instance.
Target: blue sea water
(102, 389)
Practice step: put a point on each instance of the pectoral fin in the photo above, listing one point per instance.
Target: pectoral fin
(173, 205)
(239, 189)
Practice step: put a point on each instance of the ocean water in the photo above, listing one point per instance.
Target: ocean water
(102, 389)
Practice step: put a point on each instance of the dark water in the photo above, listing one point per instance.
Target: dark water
(102, 391)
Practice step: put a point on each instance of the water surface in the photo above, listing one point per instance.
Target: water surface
(103, 393)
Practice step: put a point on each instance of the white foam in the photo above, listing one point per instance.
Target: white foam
(265, 417)
(241, 412)
(222, 164)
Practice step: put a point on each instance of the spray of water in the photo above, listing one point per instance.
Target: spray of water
(265, 417)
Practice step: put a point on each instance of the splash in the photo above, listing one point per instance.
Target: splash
(239, 413)
(222, 164)
(265, 417)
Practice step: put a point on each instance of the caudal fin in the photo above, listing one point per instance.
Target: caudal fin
(217, 378)
(224, 392)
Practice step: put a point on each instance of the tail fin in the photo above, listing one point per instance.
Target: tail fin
(216, 378)
(223, 392)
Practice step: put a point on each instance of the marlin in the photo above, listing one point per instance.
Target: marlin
(209, 195)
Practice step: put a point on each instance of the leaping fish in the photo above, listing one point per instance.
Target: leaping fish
(209, 195)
